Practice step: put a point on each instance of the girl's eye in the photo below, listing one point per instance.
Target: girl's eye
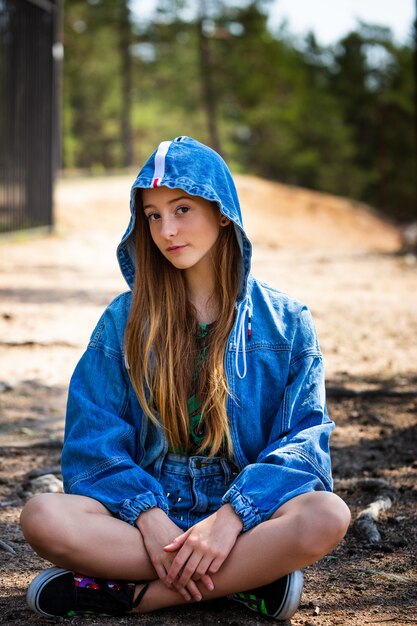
(152, 217)
(182, 210)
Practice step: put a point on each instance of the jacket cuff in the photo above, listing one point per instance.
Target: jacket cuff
(133, 507)
(247, 512)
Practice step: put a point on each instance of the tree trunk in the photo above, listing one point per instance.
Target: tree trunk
(209, 96)
(126, 71)
(415, 100)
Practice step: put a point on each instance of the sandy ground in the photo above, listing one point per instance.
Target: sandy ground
(338, 257)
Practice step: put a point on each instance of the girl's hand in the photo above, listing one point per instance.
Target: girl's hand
(203, 548)
(157, 529)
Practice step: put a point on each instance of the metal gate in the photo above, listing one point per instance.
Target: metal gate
(28, 112)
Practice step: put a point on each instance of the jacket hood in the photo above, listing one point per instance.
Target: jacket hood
(187, 164)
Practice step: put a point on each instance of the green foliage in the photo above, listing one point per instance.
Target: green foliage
(372, 80)
(92, 88)
(334, 119)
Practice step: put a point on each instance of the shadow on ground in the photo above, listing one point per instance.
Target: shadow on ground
(374, 445)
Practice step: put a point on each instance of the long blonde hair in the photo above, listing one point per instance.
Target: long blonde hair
(161, 341)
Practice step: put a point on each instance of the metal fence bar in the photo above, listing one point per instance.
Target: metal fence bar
(27, 114)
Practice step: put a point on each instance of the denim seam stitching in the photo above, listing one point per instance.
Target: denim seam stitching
(96, 470)
(124, 408)
(107, 351)
(314, 352)
(96, 335)
(286, 413)
(312, 461)
(272, 347)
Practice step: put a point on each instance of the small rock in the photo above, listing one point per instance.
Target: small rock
(9, 503)
(5, 546)
(409, 239)
(27, 432)
(410, 259)
(46, 484)
(5, 386)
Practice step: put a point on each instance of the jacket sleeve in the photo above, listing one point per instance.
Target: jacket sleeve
(101, 453)
(296, 459)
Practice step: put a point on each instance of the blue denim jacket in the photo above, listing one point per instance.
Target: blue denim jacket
(278, 419)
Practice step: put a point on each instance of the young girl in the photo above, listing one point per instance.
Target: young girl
(196, 458)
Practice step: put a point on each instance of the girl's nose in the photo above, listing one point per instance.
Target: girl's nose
(168, 227)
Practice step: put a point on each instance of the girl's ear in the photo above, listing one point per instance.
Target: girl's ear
(224, 221)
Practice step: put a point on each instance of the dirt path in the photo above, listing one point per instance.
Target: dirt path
(333, 255)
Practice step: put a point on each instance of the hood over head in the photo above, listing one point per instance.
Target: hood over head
(187, 164)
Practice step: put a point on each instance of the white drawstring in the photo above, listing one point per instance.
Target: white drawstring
(241, 336)
(240, 339)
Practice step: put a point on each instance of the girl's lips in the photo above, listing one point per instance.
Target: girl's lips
(175, 248)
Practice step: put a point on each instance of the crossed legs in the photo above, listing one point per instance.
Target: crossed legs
(79, 533)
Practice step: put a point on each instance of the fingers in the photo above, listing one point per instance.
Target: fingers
(195, 569)
(189, 569)
(216, 564)
(177, 564)
(184, 584)
(183, 568)
(201, 572)
(188, 594)
(207, 581)
(191, 587)
(193, 592)
(161, 571)
(194, 566)
(177, 542)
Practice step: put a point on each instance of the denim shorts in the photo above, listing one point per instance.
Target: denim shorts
(195, 486)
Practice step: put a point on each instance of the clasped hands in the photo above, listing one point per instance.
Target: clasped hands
(182, 560)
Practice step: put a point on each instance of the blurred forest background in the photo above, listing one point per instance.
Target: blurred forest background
(338, 119)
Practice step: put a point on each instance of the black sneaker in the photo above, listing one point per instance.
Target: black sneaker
(60, 592)
(279, 599)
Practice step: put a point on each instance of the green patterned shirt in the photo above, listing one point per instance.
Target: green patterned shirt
(197, 433)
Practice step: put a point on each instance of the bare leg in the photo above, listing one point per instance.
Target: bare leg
(301, 532)
(79, 533)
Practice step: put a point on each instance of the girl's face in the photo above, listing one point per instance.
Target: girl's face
(184, 228)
